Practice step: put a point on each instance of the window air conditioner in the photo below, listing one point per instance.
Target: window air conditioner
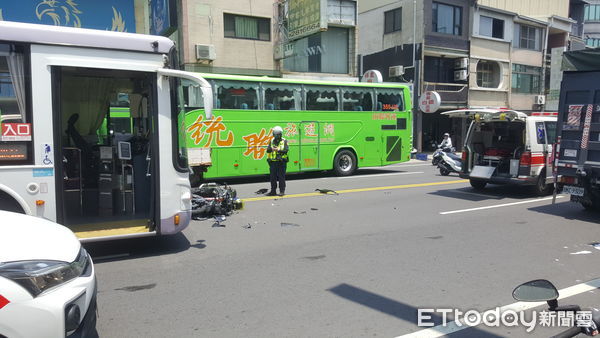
(205, 52)
(396, 71)
(461, 75)
(461, 63)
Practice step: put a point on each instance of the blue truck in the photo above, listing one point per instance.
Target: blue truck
(577, 150)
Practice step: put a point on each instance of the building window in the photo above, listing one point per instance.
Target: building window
(526, 79)
(247, 27)
(527, 37)
(393, 20)
(592, 42)
(488, 74)
(447, 19)
(592, 13)
(491, 27)
(325, 52)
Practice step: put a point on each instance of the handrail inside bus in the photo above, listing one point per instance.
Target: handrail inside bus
(207, 94)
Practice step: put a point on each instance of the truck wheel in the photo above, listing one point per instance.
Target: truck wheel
(477, 184)
(594, 205)
(344, 163)
(444, 171)
(541, 188)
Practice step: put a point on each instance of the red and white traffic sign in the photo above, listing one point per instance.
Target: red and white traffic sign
(16, 132)
(430, 102)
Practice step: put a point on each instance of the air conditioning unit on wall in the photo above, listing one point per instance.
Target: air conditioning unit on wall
(206, 52)
(396, 71)
(540, 99)
(461, 63)
(461, 75)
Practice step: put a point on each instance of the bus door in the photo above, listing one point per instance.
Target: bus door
(309, 145)
(105, 126)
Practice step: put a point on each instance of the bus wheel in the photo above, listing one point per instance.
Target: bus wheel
(344, 163)
(477, 184)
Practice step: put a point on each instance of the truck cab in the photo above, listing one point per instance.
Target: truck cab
(508, 147)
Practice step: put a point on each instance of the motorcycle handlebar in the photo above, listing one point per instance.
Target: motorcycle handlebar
(572, 332)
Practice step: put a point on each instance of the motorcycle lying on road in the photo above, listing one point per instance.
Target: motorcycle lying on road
(541, 290)
(449, 163)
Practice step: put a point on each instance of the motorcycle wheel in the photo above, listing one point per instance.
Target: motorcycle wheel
(444, 171)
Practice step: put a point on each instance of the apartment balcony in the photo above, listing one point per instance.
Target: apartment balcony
(453, 95)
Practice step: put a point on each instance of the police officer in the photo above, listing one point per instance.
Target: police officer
(277, 157)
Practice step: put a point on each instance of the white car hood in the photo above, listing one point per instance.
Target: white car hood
(25, 237)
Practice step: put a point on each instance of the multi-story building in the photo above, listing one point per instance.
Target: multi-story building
(483, 53)
(592, 24)
(252, 37)
(424, 42)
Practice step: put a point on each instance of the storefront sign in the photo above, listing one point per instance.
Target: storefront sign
(163, 17)
(112, 15)
(306, 17)
(372, 76)
(430, 102)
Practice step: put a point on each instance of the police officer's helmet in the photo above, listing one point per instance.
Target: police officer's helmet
(446, 134)
(277, 130)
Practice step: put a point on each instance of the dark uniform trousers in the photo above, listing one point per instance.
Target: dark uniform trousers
(277, 174)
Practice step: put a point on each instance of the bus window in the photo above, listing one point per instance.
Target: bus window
(282, 96)
(389, 99)
(192, 96)
(16, 136)
(321, 98)
(357, 99)
(237, 95)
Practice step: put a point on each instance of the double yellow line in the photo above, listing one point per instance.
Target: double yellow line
(308, 194)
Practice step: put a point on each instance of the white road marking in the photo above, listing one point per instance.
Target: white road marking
(378, 175)
(499, 205)
(455, 326)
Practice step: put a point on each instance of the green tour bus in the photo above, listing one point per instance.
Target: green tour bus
(336, 126)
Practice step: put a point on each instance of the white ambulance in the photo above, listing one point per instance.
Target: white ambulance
(508, 147)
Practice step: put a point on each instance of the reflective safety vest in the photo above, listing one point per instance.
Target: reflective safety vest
(275, 155)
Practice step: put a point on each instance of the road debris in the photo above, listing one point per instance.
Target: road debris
(326, 191)
(314, 209)
(299, 212)
(285, 224)
(585, 252)
(218, 219)
(261, 191)
(249, 226)
(595, 245)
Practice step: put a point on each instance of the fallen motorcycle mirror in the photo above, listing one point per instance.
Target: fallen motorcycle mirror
(538, 290)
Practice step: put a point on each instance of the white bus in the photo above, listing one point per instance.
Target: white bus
(63, 158)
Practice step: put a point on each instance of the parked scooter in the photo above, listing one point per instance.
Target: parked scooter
(437, 155)
(542, 290)
(449, 163)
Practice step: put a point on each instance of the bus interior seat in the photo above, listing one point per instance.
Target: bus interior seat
(358, 108)
(244, 106)
(270, 106)
(218, 104)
